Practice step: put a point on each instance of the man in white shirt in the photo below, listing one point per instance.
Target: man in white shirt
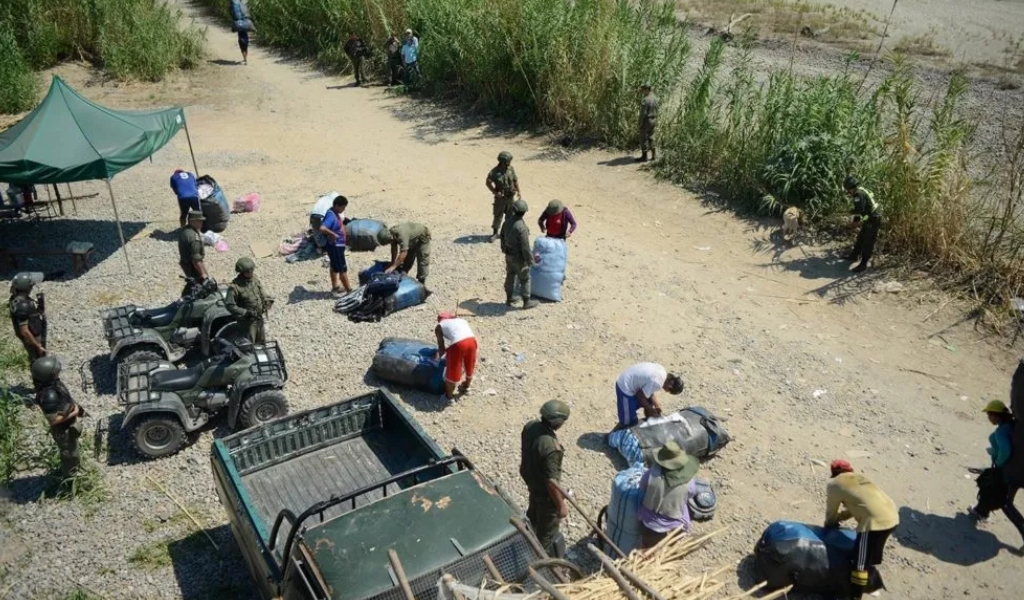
(637, 387)
(456, 340)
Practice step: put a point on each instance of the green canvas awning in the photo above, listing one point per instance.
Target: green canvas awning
(69, 138)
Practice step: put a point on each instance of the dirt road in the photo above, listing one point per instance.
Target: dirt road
(810, 363)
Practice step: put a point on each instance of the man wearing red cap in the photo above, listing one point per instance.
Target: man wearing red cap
(876, 515)
(461, 352)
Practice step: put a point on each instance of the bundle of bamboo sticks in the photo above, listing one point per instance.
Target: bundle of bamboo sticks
(656, 574)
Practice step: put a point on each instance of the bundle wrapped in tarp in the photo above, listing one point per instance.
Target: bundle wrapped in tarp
(623, 520)
(694, 428)
(810, 558)
(410, 363)
(624, 440)
(361, 234)
(215, 205)
(551, 255)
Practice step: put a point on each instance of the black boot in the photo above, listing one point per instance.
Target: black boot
(653, 155)
(643, 158)
(863, 266)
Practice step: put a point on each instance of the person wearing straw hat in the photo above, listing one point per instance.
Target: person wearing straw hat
(541, 469)
(455, 340)
(996, 489)
(667, 488)
(850, 494)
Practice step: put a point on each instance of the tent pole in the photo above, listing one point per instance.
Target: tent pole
(189, 138)
(120, 232)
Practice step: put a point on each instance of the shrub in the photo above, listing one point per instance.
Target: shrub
(19, 86)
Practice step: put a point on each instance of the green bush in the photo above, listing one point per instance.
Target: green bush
(19, 87)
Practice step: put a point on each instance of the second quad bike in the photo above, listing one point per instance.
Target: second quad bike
(137, 334)
(166, 403)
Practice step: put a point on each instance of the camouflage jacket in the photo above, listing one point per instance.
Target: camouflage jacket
(504, 180)
(515, 240)
(245, 298)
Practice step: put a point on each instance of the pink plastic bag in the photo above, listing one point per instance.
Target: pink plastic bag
(248, 203)
(221, 245)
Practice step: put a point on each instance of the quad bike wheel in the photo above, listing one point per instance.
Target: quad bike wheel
(262, 407)
(159, 435)
(142, 354)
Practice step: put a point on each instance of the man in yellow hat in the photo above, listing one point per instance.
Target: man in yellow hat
(995, 489)
(667, 488)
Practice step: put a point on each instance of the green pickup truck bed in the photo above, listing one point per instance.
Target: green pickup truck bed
(316, 500)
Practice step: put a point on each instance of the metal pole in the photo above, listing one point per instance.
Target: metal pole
(73, 204)
(120, 232)
(189, 138)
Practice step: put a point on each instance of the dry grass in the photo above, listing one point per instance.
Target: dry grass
(785, 17)
(924, 44)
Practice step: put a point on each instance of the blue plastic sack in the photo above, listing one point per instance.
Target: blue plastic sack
(547, 275)
(410, 293)
(383, 285)
(411, 363)
(811, 558)
(623, 510)
(367, 274)
(628, 446)
(361, 234)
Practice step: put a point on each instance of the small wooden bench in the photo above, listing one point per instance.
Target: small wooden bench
(80, 252)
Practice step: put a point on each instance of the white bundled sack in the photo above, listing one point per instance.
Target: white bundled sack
(551, 256)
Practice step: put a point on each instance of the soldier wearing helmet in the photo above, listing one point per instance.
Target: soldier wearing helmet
(504, 185)
(410, 242)
(541, 470)
(247, 301)
(60, 410)
(515, 244)
(192, 253)
(868, 213)
(28, 315)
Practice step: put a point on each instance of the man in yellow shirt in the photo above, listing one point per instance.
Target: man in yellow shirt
(853, 495)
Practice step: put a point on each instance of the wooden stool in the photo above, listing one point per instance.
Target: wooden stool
(80, 253)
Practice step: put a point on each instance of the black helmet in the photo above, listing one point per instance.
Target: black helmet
(520, 206)
(23, 283)
(245, 265)
(45, 369)
(555, 412)
(505, 156)
(384, 236)
(851, 183)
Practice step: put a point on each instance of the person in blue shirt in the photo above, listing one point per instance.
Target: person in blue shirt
(994, 491)
(410, 54)
(187, 190)
(333, 226)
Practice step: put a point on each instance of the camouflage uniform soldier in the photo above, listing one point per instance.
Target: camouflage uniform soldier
(410, 242)
(541, 468)
(503, 183)
(648, 119)
(191, 252)
(246, 300)
(515, 243)
(61, 412)
(28, 316)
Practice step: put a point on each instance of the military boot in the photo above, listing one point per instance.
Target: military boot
(509, 301)
(653, 155)
(643, 158)
(529, 303)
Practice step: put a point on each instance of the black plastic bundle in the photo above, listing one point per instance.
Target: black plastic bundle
(810, 558)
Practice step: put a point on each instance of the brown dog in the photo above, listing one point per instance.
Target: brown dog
(791, 223)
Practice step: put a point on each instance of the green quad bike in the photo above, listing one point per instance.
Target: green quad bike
(166, 403)
(138, 334)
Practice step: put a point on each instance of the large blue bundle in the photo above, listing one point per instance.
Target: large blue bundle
(410, 293)
(810, 558)
(361, 234)
(411, 363)
(548, 274)
(623, 510)
(377, 267)
(628, 446)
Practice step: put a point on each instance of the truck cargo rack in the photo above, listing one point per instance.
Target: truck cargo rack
(320, 507)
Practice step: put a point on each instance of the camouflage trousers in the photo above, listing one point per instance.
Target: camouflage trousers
(502, 208)
(516, 270)
(66, 438)
(255, 330)
(419, 254)
(543, 516)
(646, 136)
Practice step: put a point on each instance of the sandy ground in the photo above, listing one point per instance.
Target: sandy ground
(810, 363)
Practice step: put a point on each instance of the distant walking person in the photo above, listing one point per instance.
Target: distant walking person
(648, 120)
(410, 58)
(504, 186)
(333, 226)
(187, 190)
(868, 213)
(456, 342)
(997, 487)
(393, 50)
(556, 221)
(356, 50)
(241, 23)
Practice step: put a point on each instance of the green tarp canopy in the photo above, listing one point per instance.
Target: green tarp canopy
(68, 138)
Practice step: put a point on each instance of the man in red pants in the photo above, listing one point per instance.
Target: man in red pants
(456, 340)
